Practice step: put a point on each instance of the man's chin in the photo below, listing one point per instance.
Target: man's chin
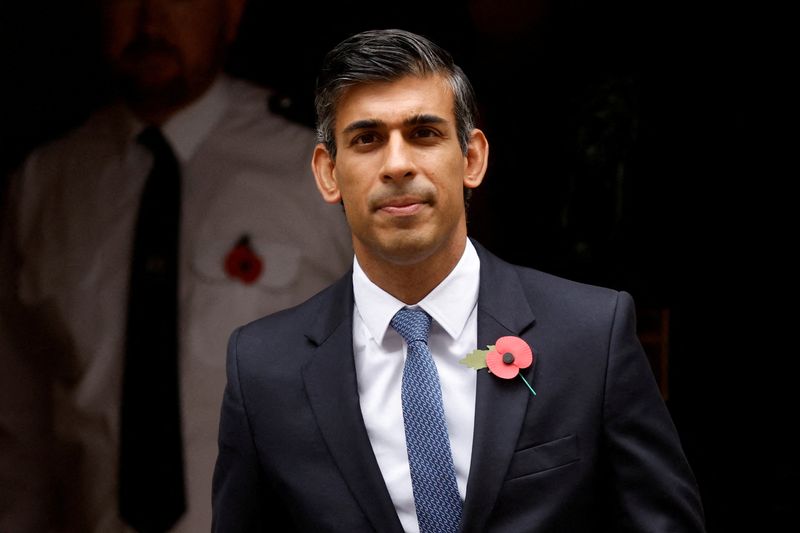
(409, 248)
(157, 77)
(149, 72)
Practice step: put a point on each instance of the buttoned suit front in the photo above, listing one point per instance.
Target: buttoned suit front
(594, 450)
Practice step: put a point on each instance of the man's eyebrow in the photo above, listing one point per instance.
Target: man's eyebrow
(363, 124)
(372, 123)
(424, 119)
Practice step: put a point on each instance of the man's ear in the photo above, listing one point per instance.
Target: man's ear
(322, 165)
(476, 160)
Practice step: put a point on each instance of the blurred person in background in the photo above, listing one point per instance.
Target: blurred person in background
(131, 247)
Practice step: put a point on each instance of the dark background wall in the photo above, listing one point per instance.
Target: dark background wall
(633, 145)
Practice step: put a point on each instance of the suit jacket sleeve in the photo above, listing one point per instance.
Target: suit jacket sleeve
(242, 501)
(653, 485)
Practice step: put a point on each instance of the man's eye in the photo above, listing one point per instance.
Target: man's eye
(365, 138)
(425, 132)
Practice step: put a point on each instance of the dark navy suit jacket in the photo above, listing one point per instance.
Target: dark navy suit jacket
(595, 450)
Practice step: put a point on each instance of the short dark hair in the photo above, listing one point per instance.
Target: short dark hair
(387, 55)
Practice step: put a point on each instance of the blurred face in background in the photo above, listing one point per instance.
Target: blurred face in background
(165, 53)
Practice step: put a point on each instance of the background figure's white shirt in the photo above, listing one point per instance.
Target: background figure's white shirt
(380, 356)
(66, 247)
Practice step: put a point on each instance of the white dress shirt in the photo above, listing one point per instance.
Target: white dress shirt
(64, 268)
(380, 356)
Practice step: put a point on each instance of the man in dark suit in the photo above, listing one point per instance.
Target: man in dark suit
(321, 427)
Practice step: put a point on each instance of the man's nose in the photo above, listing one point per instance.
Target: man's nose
(399, 158)
(151, 15)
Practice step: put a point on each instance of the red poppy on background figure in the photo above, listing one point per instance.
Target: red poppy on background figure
(243, 263)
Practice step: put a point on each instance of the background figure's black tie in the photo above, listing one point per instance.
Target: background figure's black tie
(151, 484)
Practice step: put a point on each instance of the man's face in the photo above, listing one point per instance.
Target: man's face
(399, 170)
(166, 52)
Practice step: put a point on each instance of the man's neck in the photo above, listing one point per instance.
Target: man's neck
(411, 282)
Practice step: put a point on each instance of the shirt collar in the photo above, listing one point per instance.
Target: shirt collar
(187, 128)
(449, 304)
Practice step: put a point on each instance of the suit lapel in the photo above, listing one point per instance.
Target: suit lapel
(332, 388)
(500, 404)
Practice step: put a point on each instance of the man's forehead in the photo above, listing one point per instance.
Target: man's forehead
(405, 101)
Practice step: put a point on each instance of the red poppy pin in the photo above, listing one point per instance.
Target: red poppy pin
(504, 359)
(243, 263)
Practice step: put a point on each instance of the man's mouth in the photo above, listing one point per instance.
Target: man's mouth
(402, 206)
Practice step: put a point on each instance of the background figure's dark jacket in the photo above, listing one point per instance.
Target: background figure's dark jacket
(595, 450)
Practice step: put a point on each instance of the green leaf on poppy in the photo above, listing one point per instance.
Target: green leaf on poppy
(476, 359)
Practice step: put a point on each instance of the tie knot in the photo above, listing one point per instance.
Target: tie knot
(412, 324)
(152, 139)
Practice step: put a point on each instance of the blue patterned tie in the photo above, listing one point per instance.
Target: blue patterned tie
(433, 475)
